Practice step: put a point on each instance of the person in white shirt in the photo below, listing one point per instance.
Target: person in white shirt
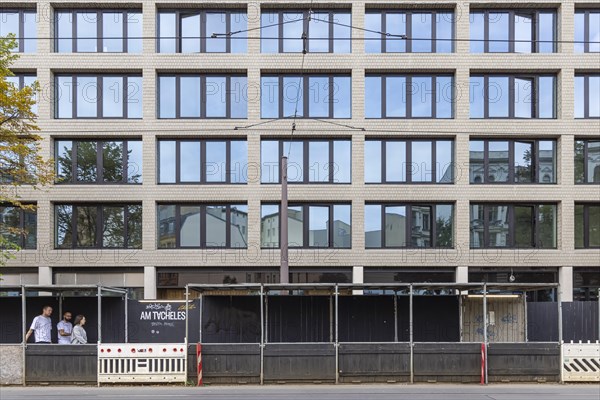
(79, 334)
(65, 328)
(42, 326)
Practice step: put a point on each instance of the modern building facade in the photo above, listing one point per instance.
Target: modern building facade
(438, 142)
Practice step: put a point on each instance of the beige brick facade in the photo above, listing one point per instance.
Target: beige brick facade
(461, 63)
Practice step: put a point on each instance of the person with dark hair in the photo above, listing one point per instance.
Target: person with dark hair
(42, 326)
(65, 328)
(79, 336)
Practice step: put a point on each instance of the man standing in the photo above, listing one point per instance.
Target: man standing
(42, 326)
(65, 328)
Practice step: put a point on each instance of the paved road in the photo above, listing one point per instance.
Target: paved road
(320, 392)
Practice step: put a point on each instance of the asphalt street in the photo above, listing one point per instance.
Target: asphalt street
(314, 392)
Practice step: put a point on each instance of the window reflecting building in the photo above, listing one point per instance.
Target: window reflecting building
(448, 142)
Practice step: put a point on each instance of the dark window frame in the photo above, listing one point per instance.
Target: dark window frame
(22, 234)
(202, 35)
(535, 107)
(99, 95)
(203, 225)
(306, 225)
(99, 228)
(305, 93)
(586, 26)
(512, 225)
(535, 28)
(99, 161)
(20, 39)
(22, 76)
(586, 291)
(203, 94)
(306, 14)
(306, 159)
(408, 95)
(586, 225)
(511, 161)
(586, 171)
(99, 28)
(408, 17)
(408, 224)
(586, 94)
(408, 155)
(203, 180)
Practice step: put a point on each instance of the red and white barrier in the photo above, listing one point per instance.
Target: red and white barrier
(142, 363)
(199, 358)
(483, 355)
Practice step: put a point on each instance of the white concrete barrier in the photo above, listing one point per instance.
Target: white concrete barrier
(581, 362)
(142, 363)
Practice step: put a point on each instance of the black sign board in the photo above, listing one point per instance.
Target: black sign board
(162, 321)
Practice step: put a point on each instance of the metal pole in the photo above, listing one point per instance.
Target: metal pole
(485, 335)
(410, 334)
(266, 317)
(60, 305)
(526, 319)
(284, 273)
(99, 314)
(126, 317)
(187, 320)
(598, 302)
(337, 344)
(560, 332)
(395, 316)
(24, 327)
(200, 318)
(262, 335)
(331, 317)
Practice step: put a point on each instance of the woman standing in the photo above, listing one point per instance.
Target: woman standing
(79, 335)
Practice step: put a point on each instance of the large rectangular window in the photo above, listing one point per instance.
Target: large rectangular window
(409, 96)
(312, 225)
(409, 161)
(513, 226)
(513, 96)
(188, 161)
(98, 161)
(587, 96)
(202, 96)
(587, 226)
(587, 161)
(98, 31)
(20, 81)
(410, 31)
(512, 161)
(23, 25)
(202, 226)
(409, 225)
(98, 96)
(513, 31)
(18, 226)
(587, 31)
(202, 31)
(314, 31)
(98, 226)
(308, 96)
(309, 161)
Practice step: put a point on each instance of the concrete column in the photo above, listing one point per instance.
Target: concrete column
(44, 276)
(358, 276)
(149, 283)
(565, 279)
(462, 274)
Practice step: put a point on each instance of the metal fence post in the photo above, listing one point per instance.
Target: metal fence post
(262, 335)
(485, 333)
(126, 317)
(99, 314)
(395, 316)
(337, 344)
(24, 328)
(411, 335)
(560, 332)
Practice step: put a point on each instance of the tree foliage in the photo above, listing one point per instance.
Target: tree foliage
(21, 163)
